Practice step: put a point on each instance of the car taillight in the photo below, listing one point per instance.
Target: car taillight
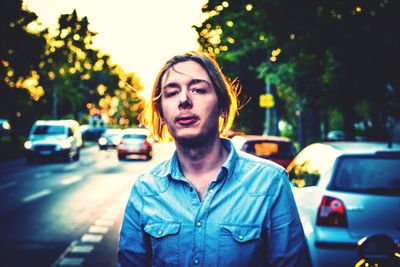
(146, 142)
(331, 212)
(121, 142)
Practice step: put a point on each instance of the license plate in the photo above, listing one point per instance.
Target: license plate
(45, 152)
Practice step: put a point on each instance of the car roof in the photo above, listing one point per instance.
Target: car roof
(357, 147)
(263, 138)
(57, 122)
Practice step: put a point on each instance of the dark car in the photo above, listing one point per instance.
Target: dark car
(135, 141)
(92, 134)
(275, 148)
(110, 138)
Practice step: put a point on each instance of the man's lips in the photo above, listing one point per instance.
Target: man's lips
(186, 120)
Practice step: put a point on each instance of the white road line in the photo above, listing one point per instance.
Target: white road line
(71, 262)
(70, 167)
(36, 195)
(91, 238)
(82, 249)
(95, 229)
(104, 222)
(42, 174)
(8, 185)
(71, 180)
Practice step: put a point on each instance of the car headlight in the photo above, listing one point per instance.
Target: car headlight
(65, 144)
(28, 145)
(116, 140)
(102, 141)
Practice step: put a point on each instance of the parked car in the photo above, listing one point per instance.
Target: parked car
(110, 138)
(135, 141)
(275, 148)
(54, 138)
(345, 191)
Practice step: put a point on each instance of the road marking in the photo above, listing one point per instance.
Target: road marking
(91, 238)
(8, 185)
(71, 262)
(104, 222)
(42, 174)
(95, 229)
(70, 167)
(82, 249)
(36, 195)
(71, 180)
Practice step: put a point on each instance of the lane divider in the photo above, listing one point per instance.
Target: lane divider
(78, 250)
(71, 180)
(8, 185)
(36, 195)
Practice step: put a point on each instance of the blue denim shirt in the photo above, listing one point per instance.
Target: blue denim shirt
(248, 217)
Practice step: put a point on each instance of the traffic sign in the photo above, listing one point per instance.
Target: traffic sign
(267, 101)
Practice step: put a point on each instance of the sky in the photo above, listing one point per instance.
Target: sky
(140, 35)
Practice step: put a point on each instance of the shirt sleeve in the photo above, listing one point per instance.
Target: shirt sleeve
(286, 240)
(134, 248)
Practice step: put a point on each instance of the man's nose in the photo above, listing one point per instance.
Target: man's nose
(184, 100)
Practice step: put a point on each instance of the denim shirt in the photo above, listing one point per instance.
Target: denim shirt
(248, 217)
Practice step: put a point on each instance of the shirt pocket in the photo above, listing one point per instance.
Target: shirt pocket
(240, 245)
(164, 242)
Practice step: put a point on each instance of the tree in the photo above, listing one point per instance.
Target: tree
(329, 55)
(20, 54)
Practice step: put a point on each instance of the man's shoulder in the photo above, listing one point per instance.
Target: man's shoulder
(154, 180)
(259, 176)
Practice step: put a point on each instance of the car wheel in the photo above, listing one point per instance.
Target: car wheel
(77, 155)
(149, 157)
(121, 157)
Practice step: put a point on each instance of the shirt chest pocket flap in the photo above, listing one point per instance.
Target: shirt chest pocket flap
(162, 229)
(241, 233)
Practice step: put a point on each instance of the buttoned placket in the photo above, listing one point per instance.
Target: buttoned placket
(201, 221)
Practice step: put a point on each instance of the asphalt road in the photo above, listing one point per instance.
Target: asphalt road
(66, 214)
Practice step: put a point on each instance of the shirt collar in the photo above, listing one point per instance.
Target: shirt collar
(171, 167)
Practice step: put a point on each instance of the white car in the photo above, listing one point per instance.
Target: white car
(345, 191)
(54, 138)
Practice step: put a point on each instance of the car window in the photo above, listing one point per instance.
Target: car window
(134, 136)
(374, 175)
(309, 165)
(49, 130)
(268, 149)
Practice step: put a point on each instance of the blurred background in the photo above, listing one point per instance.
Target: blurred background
(310, 71)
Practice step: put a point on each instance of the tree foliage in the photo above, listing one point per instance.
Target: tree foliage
(320, 55)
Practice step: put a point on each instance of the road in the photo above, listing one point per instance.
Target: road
(66, 214)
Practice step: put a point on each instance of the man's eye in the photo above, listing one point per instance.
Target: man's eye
(199, 90)
(171, 93)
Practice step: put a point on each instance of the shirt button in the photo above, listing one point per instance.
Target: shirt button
(196, 261)
(198, 224)
(241, 237)
(159, 232)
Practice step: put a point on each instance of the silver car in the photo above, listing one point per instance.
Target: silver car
(345, 191)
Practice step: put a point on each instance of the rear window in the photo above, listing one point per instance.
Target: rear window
(134, 136)
(49, 130)
(268, 149)
(372, 175)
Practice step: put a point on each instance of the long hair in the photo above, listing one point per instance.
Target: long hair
(227, 94)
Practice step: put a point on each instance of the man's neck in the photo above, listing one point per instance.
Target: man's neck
(198, 161)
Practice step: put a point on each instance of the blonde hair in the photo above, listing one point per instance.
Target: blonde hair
(227, 94)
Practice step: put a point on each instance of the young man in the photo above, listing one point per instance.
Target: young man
(209, 205)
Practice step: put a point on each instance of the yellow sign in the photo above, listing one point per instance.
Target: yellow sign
(267, 101)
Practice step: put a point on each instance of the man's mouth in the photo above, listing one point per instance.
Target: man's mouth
(186, 120)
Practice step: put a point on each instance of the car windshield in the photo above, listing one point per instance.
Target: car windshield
(268, 149)
(372, 175)
(49, 130)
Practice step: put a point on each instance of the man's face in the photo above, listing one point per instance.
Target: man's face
(189, 104)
